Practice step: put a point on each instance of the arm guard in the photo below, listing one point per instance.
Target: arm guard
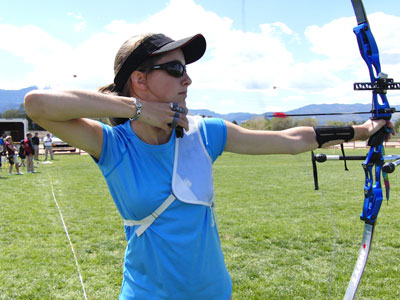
(324, 134)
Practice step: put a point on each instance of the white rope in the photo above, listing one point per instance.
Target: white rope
(70, 243)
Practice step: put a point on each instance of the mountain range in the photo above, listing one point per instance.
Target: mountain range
(12, 99)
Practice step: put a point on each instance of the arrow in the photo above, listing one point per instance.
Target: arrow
(285, 115)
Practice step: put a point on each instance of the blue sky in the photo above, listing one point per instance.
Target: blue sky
(261, 55)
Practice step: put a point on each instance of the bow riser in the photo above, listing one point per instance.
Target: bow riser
(379, 81)
(368, 49)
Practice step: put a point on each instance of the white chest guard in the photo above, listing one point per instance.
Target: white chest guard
(192, 179)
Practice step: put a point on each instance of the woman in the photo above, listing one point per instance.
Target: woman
(162, 184)
(12, 156)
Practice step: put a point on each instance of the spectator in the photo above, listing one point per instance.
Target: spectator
(48, 146)
(21, 153)
(29, 152)
(12, 156)
(2, 147)
(36, 142)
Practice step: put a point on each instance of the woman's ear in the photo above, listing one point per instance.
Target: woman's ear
(138, 80)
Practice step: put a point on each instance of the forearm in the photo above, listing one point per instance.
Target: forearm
(69, 105)
(291, 141)
(305, 139)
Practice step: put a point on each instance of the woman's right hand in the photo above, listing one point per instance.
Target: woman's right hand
(160, 115)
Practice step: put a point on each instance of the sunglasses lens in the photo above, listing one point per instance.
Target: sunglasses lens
(176, 70)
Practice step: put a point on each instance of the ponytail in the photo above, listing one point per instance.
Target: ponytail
(109, 89)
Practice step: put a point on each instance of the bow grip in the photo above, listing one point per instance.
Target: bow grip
(379, 137)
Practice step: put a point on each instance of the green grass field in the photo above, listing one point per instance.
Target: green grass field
(281, 239)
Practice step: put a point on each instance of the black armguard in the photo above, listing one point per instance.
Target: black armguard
(325, 134)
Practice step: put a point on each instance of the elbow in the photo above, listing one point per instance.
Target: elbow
(32, 104)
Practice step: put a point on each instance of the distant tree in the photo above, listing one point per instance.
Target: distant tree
(257, 123)
(13, 113)
(355, 123)
(234, 122)
(21, 108)
(306, 122)
(34, 126)
(281, 123)
(335, 123)
(397, 125)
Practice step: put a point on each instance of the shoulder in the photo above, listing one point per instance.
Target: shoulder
(213, 132)
(115, 141)
(119, 133)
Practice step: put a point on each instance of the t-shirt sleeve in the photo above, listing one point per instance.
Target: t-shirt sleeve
(111, 151)
(214, 133)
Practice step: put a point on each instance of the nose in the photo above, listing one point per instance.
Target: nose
(186, 80)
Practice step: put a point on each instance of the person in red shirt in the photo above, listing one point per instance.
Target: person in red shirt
(29, 152)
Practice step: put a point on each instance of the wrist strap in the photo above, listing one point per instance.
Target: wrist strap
(324, 134)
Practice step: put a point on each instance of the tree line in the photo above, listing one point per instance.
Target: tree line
(275, 124)
(19, 113)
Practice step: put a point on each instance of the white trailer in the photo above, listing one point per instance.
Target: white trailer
(14, 127)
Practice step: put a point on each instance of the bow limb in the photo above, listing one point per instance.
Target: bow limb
(361, 262)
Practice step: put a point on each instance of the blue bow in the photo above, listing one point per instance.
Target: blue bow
(374, 162)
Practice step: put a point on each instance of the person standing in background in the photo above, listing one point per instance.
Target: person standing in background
(36, 142)
(48, 146)
(21, 153)
(29, 153)
(2, 147)
(12, 156)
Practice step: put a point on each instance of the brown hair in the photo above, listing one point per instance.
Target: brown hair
(124, 51)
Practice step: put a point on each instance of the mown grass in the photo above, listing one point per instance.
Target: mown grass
(281, 239)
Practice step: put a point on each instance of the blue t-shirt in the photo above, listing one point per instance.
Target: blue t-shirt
(179, 256)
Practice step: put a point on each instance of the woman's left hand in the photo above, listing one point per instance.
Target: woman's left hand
(370, 127)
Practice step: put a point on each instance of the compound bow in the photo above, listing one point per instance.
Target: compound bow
(379, 84)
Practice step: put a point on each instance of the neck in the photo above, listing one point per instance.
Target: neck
(150, 134)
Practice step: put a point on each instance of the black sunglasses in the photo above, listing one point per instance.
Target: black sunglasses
(173, 68)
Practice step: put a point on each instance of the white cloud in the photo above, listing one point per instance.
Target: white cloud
(342, 64)
(82, 25)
